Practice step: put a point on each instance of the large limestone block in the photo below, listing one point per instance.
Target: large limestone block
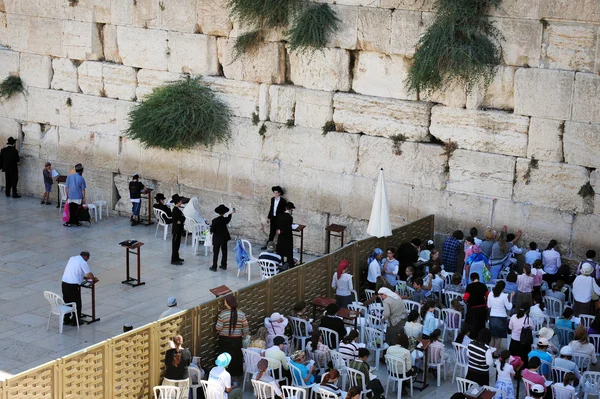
(15, 31)
(90, 78)
(586, 98)
(498, 95)
(407, 28)
(346, 35)
(178, 15)
(545, 140)
(354, 194)
(30, 143)
(377, 74)
(569, 46)
(335, 152)
(454, 95)
(544, 93)
(554, 185)
(65, 75)
(143, 48)
(266, 174)
(81, 40)
(374, 29)
(95, 150)
(10, 128)
(419, 164)
(265, 65)
(110, 47)
(584, 10)
(313, 188)
(313, 108)
(36, 70)
(148, 80)
(46, 36)
(9, 63)
(517, 9)
(130, 156)
(241, 97)
(15, 107)
(582, 144)
(92, 11)
(123, 108)
(239, 179)
(414, 5)
(195, 54)
(204, 170)
(141, 13)
(380, 116)
(119, 81)
(490, 175)
(93, 114)
(328, 69)
(486, 131)
(213, 17)
(595, 182)
(245, 140)
(584, 237)
(48, 106)
(522, 41)
(283, 103)
(157, 164)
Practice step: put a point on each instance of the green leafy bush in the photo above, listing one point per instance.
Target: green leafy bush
(460, 47)
(180, 115)
(311, 29)
(10, 86)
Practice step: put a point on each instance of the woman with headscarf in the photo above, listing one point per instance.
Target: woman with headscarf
(394, 312)
(232, 328)
(275, 325)
(584, 288)
(374, 267)
(264, 375)
(342, 282)
(221, 376)
(475, 264)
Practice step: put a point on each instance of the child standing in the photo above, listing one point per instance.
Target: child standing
(538, 272)
(430, 323)
(505, 374)
(47, 173)
(525, 287)
(135, 190)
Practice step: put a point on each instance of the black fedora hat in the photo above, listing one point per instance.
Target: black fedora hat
(176, 198)
(221, 209)
(159, 196)
(11, 141)
(278, 189)
(290, 205)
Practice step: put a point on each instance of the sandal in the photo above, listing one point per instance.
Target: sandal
(66, 225)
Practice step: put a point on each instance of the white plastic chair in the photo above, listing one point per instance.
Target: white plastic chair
(374, 321)
(326, 394)
(451, 295)
(251, 360)
(263, 390)
(300, 332)
(554, 307)
(340, 363)
(499, 394)
(410, 291)
(372, 337)
(562, 392)
(528, 384)
(276, 368)
(166, 392)
(253, 259)
(212, 389)
(369, 294)
(452, 322)
(582, 361)
(590, 384)
(545, 365)
(361, 322)
(268, 268)
(161, 220)
(63, 196)
(291, 392)
(436, 360)
(357, 378)
(299, 382)
(60, 308)
(564, 335)
(355, 297)
(465, 385)
(194, 372)
(595, 340)
(320, 358)
(412, 305)
(100, 202)
(330, 337)
(198, 237)
(540, 322)
(93, 211)
(585, 320)
(448, 279)
(558, 374)
(462, 360)
(396, 373)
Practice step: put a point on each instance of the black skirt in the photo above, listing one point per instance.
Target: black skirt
(233, 346)
(476, 318)
(480, 377)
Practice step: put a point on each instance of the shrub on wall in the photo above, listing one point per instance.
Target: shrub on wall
(311, 29)
(10, 86)
(179, 115)
(460, 47)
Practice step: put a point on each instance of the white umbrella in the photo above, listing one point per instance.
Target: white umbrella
(379, 222)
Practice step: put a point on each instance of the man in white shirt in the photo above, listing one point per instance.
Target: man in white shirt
(172, 308)
(220, 375)
(276, 352)
(76, 271)
(277, 208)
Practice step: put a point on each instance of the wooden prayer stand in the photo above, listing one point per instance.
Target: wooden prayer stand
(133, 249)
(91, 285)
(300, 229)
(334, 228)
(148, 192)
(424, 384)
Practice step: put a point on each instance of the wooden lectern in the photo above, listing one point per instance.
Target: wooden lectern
(133, 248)
(91, 285)
(148, 192)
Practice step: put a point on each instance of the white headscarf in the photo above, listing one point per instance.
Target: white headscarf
(191, 211)
(388, 292)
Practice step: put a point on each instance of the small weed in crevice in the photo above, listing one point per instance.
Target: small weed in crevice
(586, 190)
(397, 140)
(544, 23)
(533, 164)
(255, 118)
(10, 86)
(290, 123)
(73, 3)
(162, 6)
(262, 130)
(449, 148)
(329, 126)
(69, 102)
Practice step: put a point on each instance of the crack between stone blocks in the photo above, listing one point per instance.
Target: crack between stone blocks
(493, 211)
(571, 235)
(561, 135)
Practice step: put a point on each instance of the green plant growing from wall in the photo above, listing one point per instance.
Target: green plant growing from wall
(449, 148)
(311, 24)
(587, 190)
(329, 126)
(179, 115)
(10, 86)
(533, 164)
(397, 140)
(461, 46)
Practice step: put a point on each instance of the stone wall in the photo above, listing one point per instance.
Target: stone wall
(526, 144)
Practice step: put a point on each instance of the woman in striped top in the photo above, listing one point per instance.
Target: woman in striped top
(480, 358)
(349, 346)
(232, 328)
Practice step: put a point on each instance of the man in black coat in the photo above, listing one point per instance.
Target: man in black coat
(285, 242)
(160, 204)
(9, 160)
(331, 321)
(277, 208)
(178, 221)
(220, 233)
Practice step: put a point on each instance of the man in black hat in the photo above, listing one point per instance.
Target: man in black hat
(285, 242)
(276, 209)
(160, 204)
(178, 221)
(220, 233)
(9, 160)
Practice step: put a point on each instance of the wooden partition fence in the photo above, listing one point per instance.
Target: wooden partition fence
(129, 365)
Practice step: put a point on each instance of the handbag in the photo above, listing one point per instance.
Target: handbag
(526, 338)
(487, 275)
(66, 215)
(208, 242)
